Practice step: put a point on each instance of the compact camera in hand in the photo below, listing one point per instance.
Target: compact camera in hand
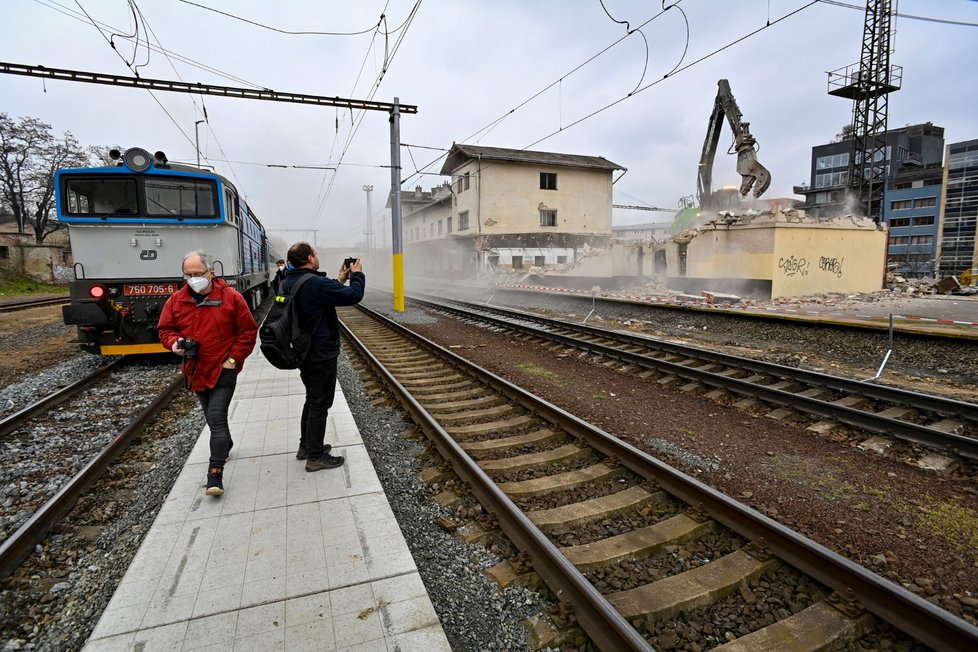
(190, 348)
(347, 263)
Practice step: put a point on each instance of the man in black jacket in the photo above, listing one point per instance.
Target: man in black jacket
(316, 304)
(279, 277)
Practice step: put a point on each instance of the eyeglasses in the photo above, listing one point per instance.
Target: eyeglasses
(197, 274)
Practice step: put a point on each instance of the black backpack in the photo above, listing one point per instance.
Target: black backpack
(283, 343)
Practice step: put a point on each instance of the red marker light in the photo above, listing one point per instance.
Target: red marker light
(96, 291)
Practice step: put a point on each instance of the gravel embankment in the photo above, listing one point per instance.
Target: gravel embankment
(941, 366)
(913, 527)
(55, 599)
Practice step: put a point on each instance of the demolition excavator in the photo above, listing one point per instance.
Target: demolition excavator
(755, 176)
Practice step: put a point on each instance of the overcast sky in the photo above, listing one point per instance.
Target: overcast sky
(466, 64)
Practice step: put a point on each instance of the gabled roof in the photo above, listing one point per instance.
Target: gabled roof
(460, 154)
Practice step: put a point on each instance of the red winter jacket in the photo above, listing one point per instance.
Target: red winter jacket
(222, 324)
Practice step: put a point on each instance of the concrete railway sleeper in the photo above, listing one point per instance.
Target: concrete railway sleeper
(627, 545)
(936, 422)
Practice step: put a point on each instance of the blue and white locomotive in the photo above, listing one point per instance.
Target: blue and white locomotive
(130, 226)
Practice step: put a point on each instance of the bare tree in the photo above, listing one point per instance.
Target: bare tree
(29, 156)
(846, 133)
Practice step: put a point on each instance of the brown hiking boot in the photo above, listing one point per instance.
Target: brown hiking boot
(325, 461)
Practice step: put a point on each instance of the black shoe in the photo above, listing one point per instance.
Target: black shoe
(326, 461)
(303, 454)
(215, 486)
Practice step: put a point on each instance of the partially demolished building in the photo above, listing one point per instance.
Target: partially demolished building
(778, 254)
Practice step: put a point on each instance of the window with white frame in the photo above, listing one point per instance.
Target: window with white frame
(463, 221)
(548, 217)
(548, 181)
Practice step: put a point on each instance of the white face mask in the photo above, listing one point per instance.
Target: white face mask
(281, 267)
(198, 283)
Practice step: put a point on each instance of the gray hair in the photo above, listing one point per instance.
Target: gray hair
(205, 258)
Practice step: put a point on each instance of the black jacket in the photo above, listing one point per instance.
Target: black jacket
(316, 304)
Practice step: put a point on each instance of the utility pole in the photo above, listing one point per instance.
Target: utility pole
(197, 139)
(395, 110)
(370, 233)
(397, 246)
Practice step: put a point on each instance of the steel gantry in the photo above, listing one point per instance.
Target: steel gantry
(395, 110)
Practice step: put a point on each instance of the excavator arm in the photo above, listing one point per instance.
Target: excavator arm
(755, 176)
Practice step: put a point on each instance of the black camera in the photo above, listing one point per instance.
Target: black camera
(347, 263)
(190, 348)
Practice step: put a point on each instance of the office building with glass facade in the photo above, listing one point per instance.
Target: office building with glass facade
(959, 210)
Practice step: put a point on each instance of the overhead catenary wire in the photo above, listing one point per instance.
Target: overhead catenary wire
(67, 11)
(199, 110)
(283, 31)
(172, 119)
(675, 71)
(491, 125)
(668, 75)
(898, 14)
(376, 87)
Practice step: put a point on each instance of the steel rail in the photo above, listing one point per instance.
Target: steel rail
(602, 622)
(922, 434)
(15, 420)
(904, 610)
(930, 402)
(813, 320)
(32, 303)
(19, 545)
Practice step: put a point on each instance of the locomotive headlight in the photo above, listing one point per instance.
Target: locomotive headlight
(137, 159)
(96, 291)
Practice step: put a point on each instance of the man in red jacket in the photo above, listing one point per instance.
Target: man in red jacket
(210, 325)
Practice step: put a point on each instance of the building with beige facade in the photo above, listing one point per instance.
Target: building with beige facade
(778, 254)
(509, 209)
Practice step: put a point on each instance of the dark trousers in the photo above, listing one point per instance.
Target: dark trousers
(320, 380)
(215, 401)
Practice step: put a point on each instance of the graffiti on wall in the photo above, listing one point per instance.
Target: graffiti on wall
(831, 265)
(792, 266)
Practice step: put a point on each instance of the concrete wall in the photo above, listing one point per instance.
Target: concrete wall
(773, 257)
(43, 263)
(814, 259)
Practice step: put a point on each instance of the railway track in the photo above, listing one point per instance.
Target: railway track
(41, 433)
(600, 521)
(933, 421)
(31, 303)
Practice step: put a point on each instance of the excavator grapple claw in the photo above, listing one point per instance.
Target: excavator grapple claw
(755, 176)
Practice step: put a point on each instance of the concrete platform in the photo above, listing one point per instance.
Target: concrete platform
(285, 559)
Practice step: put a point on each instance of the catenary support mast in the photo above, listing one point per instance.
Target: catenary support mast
(395, 110)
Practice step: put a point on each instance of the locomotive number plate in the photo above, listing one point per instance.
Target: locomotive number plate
(149, 289)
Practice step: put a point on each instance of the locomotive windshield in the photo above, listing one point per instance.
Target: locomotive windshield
(150, 196)
(88, 196)
(172, 197)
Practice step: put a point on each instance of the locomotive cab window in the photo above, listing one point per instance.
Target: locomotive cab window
(101, 196)
(129, 196)
(229, 212)
(176, 198)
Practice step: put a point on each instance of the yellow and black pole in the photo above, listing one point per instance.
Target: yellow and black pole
(397, 245)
